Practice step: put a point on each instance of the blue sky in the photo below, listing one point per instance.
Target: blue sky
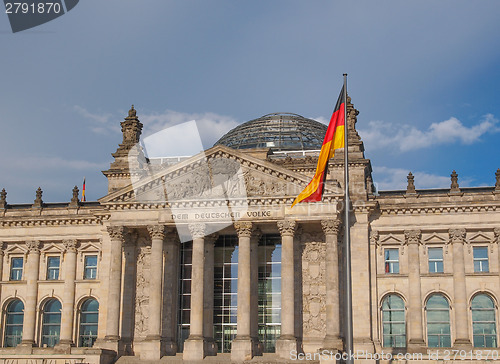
(424, 75)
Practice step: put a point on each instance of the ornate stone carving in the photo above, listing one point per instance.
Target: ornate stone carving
(454, 182)
(330, 227)
(352, 119)
(38, 203)
(375, 239)
(287, 227)
(496, 233)
(70, 245)
(33, 246)
(410, 188)
(131, 128)
(197, 230)
(142, 288)
(211, 238)
(497, 183)
(3, 199)
(314, 285)
(157, 231)
(457, 235)
(75, 201)
(413, 236)
(370, 188)
(117, 233)
(244, 228)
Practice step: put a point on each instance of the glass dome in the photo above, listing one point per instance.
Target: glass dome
(279, 131)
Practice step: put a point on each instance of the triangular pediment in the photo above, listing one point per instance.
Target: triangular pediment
(435, 238)
(214, 176)
(391, 239)
(480, 237)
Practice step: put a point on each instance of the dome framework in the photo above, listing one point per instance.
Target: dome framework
(278, 131)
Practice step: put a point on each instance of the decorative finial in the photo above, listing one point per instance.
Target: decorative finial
(454, 182)
(497, 184)
(370, 188)
(132, 113)
(38, 200)
(410, 188)
(75, 200)
(3, 199)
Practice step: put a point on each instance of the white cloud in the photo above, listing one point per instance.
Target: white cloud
(101, 123)
(210, 125)
(381, 134)
(387, 178)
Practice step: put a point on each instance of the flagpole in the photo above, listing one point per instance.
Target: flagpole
(348, 299)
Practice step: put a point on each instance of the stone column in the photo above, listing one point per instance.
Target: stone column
(457, 238)
(31, 273)
(1, 261)
(244, 345)
(332, 339)
(69, 294)
(287, 341)
(171, 292)
(128, 293)
(208, 296)
(416, 341)
(117, 235)
(151, 349)
(194, 346)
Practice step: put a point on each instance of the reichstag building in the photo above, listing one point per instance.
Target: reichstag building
(202, 258)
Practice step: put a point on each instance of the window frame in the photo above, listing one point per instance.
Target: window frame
(389, 264)
(53, 269)
(44, 324)
(12, 268)
(435, 261)
(6, 325)
(95, 268)
(80, 336)
(391, 322)
(481, 260)
(448, 322)
(493, 322)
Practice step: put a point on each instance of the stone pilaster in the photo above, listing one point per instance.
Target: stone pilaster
(287, 341)
(194, 346)
(128, 293)
(31, 274)
(245, 346)
(152, 348)
(2, 254)
(69, 294)
(416, 341)
(208, 295)
(117, 235)
(170, 293)
(457, 238)
(332, 339)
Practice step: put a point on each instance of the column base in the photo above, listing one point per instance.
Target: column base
(151, 349)
(462, 344)
(332, 343)
(64, 346)
(285, 345)
(26, 347)
(110, 342)
(364, 344)
(416, 346)
(244, 348)
(194, 349)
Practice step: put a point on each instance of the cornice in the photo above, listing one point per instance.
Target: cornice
(439, 208)
(29, 221)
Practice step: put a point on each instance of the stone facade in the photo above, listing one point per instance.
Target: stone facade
(124, 252)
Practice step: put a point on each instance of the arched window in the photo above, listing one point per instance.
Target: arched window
(89, 314)
(14, 323)
(438, 322)
(393, 322)
(51, 323)
(483, 322)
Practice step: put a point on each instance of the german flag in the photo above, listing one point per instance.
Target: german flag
(83, 190)
(334, 139)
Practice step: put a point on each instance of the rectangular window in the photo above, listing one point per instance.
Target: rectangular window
(90, 267)
(435, 260)
(53, 268)
(480, 259)
(16, 269)
(392, 260)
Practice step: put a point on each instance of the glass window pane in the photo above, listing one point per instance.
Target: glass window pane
(480, 252)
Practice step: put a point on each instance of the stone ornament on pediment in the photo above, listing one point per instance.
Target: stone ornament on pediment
(287, 227)
(197, 230)
(157, 231)
(457, 236)
(244, 228)
(375, 240)
(496, 233)
(116, 233)
(33, 246)
(70, 245)
(331, 226)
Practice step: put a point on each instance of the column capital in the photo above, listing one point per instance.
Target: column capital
(157, 231)
(33, 246)
(457, 235)
(117, 233)
(197, 230)
(70, 245)
(211, 238)
(413, 236)
(287, 227)
(330, 226)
